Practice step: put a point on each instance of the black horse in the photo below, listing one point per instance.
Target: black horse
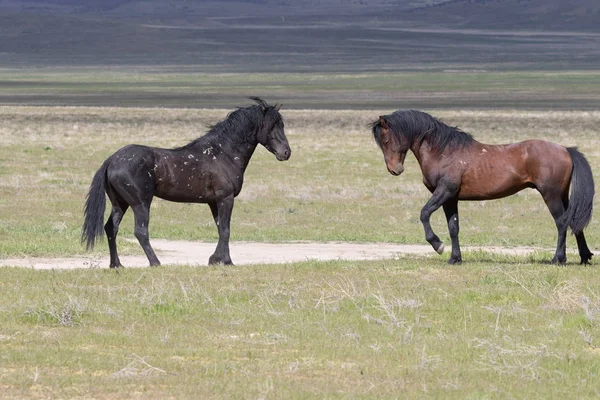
(457, 167)
(207, 170)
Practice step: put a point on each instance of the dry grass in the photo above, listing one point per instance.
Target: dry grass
(497, 326)
(336, 329)
(335, 186)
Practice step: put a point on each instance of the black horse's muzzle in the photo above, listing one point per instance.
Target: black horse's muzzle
(281, 154)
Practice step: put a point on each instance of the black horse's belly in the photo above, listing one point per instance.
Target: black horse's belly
(192, 185)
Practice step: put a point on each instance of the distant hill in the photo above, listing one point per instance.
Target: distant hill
(528, 15)
(288, 35)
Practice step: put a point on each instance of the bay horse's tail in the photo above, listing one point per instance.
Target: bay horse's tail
(94, 209)
(581, 201)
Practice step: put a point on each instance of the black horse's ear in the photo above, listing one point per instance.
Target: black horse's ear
(278, 107)
(383, 122)
(263, 104)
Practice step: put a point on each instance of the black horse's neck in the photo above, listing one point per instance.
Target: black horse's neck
(236, 136)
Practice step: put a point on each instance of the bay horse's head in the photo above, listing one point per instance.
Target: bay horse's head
(393, 144)
(271, 132)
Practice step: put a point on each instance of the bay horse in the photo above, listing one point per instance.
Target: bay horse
(457, 167)
(207, 170)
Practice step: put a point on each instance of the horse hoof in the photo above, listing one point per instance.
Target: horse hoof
(440, 249)
(454, 261)
(557, 261)
(216, 260)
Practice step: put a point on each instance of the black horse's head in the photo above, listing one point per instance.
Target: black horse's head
(393, 146)
(271, 133)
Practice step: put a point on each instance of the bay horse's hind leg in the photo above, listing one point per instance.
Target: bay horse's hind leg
(584, 251)
(142, 218)
(451, 211)
(557, 206)
(119, 207)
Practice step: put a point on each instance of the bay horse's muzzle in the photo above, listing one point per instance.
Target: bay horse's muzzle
(395, 170)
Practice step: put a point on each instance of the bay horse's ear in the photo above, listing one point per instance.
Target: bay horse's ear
(383, 122)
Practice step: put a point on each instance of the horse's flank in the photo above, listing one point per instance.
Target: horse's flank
(487, 172)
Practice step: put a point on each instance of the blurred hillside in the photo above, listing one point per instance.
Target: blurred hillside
(315, 35)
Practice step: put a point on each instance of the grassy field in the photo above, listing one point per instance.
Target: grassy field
(494, 327)
(335, 186)
(190, 87)
(411, 328)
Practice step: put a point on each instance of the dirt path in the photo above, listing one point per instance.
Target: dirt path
(243, 253)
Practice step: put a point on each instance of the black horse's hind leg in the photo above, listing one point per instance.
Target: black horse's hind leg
(556, 205)
(451, 211)
(142, 218)
(440, 195)
(223, 218)
(119, 207)
(584, 251)
(112, 228)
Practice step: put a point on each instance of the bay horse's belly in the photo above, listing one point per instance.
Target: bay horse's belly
(492, 192)
(503, 170)
(495, 172)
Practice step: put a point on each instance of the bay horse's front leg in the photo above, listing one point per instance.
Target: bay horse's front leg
(440, 195)
(223, 218)
(451, 211)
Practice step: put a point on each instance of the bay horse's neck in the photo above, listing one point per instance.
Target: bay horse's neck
(425, 154)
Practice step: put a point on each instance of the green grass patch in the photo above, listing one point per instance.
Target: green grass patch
(183, 87)
(335, 329)
(334, 187)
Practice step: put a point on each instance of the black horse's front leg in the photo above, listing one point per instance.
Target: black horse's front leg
(440, 195)
(451, 211)
(224, 208)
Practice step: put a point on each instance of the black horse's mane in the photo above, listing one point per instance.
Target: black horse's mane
(419, 126)
(243, 124)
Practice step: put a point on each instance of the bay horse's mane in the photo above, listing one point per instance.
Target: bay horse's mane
(243, 125)
(419, 126)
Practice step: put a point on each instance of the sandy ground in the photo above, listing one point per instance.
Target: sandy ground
(244, 253)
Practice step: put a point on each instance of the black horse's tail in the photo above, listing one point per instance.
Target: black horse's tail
(94, 209)
(581, 201)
